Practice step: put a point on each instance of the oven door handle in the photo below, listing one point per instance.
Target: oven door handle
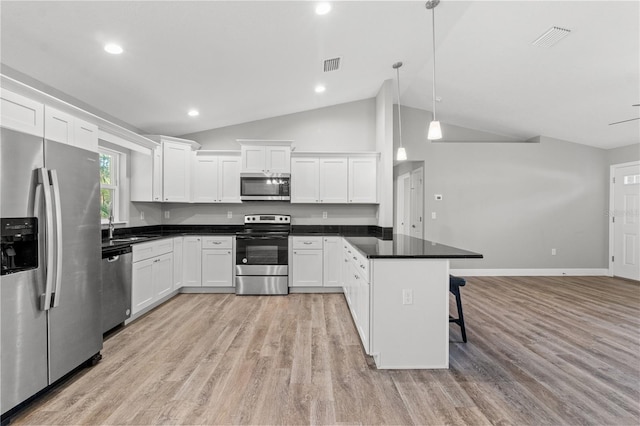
(273, 237)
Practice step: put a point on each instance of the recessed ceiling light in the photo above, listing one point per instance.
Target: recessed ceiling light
(320, 88)
(323, 8)
(193, 113)
(114, 49)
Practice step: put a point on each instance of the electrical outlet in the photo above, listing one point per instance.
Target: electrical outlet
(407, 296)
(433, 215)
(324, 215)
(438, 197)
(553, 252)
(229, 215)
(141, 215)
(167, 214)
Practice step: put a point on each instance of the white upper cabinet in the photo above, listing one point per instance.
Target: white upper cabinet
(85, 135)
(166, 173)
(58, 126)
(21, 114)
(271, 157)
(331, 178)
(216, 178)
(305, 175)
(363, 179)
(176, 172)
(65, 128)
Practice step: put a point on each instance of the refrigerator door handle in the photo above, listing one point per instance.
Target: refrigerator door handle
(55, 295)
(45, 185)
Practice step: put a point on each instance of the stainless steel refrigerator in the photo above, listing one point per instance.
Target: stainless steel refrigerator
(50, 289)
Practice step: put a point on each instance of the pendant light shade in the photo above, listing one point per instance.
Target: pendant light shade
(402, 153)
(435, 132)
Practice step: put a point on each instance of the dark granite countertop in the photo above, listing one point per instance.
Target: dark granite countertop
(405, 247)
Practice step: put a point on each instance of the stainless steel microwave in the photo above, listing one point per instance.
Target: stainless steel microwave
(262, 187)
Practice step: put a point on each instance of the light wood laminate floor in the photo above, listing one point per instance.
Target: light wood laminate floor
(561, 350)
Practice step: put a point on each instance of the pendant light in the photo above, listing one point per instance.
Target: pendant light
(435, 132)
(402, 154)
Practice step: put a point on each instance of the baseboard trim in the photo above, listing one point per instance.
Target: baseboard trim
(551, 272)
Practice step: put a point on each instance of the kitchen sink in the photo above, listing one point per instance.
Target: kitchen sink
(130, 239)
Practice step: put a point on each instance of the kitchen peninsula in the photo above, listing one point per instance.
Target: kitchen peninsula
(398, 293)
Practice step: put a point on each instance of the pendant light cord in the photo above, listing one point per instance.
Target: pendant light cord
(433, 28)
(399, 107)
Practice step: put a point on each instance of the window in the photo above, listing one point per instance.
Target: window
(109, 190)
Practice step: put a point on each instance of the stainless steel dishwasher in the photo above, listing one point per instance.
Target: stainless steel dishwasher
(116, 287)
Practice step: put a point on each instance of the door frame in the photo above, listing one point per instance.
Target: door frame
(612, 173)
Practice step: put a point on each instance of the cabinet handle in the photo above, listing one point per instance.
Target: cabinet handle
(307, 242)
(355, 258)
(362, 266)
(357, 277)
(217, 242)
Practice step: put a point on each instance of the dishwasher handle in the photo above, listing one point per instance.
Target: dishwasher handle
(113, 258)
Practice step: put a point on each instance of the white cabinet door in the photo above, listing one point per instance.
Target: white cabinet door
(217, 268)
(178, 255)
(333, 180)
(21, 114)
(143, 290)
(363, 180)
(305, 180)
(176, 172)
(163, 274)
(332, 262)
(58, 126)
(229, 179)
(205, 179)
(192, 262)
(253, 159)
(278, 159)
(146, 175)
(307, 268)
(85, 135)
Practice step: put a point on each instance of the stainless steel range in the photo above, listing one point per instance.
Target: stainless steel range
(262, 255)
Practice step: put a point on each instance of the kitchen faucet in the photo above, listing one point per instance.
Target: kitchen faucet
(111, 225)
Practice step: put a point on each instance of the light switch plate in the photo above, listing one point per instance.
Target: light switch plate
(229, 215)
(167, 214)
(324, 215)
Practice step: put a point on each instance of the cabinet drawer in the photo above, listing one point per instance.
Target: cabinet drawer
(151, 249)
(217, 242)
(307, 243)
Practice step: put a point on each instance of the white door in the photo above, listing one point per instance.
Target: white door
(217, 268)
(229, 179)
(333, 180)
(305, 185)
(417, 207)
(307, 268)
(192, 262)
(177, 262)
(163, 274)
(626, 222)
(176, 172)
(142, 288)
(205, 179)
(332, 262)
(363, 180)
(253, 159)
(278, 159)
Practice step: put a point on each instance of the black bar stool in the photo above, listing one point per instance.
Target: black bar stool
(454, 287)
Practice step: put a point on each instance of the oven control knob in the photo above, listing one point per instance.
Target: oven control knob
(244, 260)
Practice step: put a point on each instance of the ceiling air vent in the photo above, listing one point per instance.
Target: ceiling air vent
(332, 64)
(551, 37)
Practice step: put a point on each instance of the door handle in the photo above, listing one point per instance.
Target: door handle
(45, 184)
(55, 295)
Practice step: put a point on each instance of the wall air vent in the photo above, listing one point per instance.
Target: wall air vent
(551, 37)
(332, 64)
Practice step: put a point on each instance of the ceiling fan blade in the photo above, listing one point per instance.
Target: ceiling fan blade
(624, 121)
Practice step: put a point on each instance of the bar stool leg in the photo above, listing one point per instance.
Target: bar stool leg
(460, 316)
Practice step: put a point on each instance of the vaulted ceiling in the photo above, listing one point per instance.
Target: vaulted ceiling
(239, 61)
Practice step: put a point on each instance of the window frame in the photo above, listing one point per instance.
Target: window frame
(115, 183)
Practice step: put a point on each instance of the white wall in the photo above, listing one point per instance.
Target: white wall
(345, 127)
(513, 202)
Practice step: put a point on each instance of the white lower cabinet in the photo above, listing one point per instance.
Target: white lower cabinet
(152, 273)
(307, 262)
(192, 262)
(217, 263)
(332, 262)
(178, 244)
(357, 290)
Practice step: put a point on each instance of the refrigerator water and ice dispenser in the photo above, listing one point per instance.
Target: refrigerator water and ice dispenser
(19, 242)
